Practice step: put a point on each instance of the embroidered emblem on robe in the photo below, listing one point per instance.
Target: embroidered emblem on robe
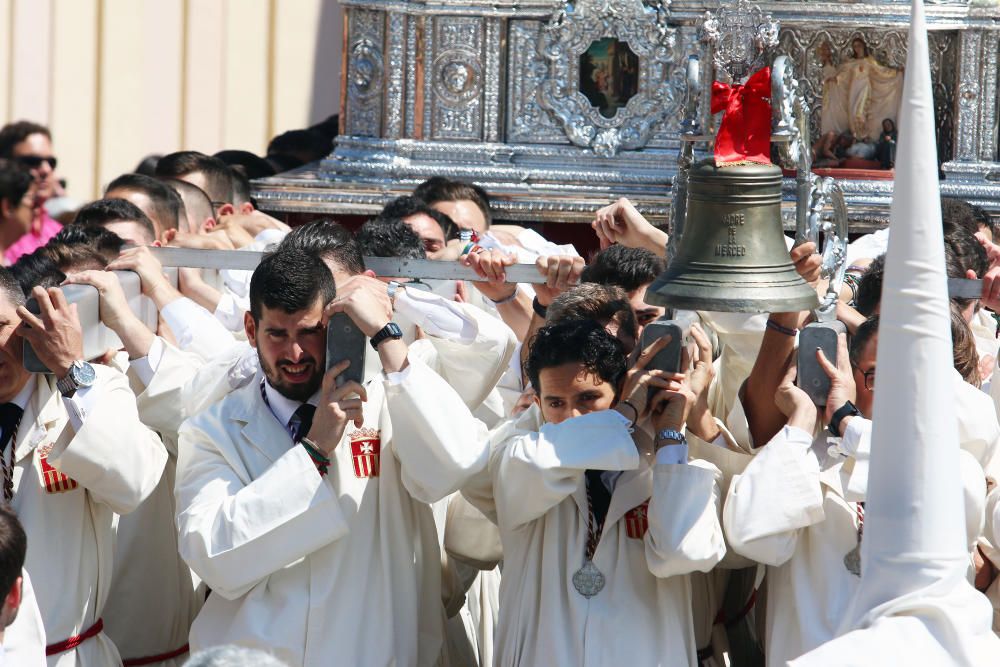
(53, 480)
(366, 448)
(636, 523)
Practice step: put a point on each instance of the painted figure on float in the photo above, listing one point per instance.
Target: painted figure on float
(859, 94)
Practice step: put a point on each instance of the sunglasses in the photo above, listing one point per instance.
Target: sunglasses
(35, 161)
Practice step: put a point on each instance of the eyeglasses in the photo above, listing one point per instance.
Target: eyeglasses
(35, 161)
(869, 379)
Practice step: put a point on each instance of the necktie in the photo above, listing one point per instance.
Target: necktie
(301, 421)
(600, 497)
(10, 420)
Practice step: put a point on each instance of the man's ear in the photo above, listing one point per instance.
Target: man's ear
(369, 273)
(207, 225)
(251, 328)
(13, 599)
(224, 210)
(5, 209)
(246, 208)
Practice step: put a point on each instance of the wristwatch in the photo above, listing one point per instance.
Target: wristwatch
(671, 434)
(390, 330)
(81, 374)
(848, 409)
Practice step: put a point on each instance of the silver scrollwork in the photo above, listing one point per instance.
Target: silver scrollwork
(740, 35)
(570, 33)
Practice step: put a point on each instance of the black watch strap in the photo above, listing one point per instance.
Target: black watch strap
(540, 310)
(848, 409)
(390, 330)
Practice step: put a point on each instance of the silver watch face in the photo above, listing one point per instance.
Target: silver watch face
(82, 373)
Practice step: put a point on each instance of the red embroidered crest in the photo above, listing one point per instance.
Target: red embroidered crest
(636, 523)
(53, 480)
(366, 449)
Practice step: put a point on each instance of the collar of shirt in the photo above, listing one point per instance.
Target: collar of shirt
(23, 396)
(283, 407)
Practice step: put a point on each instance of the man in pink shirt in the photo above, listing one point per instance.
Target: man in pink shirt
(30, 145)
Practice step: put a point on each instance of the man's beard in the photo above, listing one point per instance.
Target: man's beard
(298, 391)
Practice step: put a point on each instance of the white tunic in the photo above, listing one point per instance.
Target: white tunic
(339, 569)
(643, 614)
(113, 463)
(151, 615)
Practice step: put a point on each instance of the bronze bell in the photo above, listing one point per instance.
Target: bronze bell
(732, 256)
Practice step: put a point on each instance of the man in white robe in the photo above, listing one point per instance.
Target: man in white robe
(78, 455)
(319, 544)
(661, 519)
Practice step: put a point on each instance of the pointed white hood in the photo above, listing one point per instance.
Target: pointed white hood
(914, 604)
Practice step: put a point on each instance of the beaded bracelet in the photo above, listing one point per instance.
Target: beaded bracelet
(320, 460)
(774, 326)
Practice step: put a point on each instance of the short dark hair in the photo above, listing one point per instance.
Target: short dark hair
(147, 166)
(406, 206)
(869, 292)
(628, 268)
(599, 303)
(862, 336)
(249, 164)
(327, 240)
(984, 219)
(390, 237)
(100, 239)
(196, 202)
(10, 285)
(36, 269)
(218, 176)
(168, 207)
(73, 258)
(241, 186)
(439, 188)
(956, 211)
(578, 341)
(12, 134)
(105, 211)
(967, 251)
(306, 145)
(13, 547)
(14, 182)
(290, 280)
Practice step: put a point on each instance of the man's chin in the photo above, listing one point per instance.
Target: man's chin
(298, 391)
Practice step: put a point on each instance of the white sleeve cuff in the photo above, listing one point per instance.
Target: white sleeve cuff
(145, 367)
(672, 454)
(229, 312)
(437, 316)
(399, 377)
(82, 403)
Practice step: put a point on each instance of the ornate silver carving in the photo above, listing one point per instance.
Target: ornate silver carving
(988, 135)
(570, 33)
(741, 36)
(394, 86)
(457, 74)
(414, 26)
(527, 121)
(491, 94)
(365, 73)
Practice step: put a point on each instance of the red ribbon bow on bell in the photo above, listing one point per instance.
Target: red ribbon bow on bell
(745, 133)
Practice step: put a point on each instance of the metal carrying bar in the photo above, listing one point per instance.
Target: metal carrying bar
(389, 267)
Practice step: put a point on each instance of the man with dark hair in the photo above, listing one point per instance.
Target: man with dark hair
(17, 204)
(385, 237)
(869, 294)
(30, 145)
(332, 243)
(588, 522)
(434, 228)
(208, 173)
(249, 165)
(294, 491)
(242, 201)
(21, 642)
(121, 217)
(466, 204)
(605, 304)
(103, 241)
(82, 457)
(200, 217)
(13, 547)
(632, 269)
(303, 145)
(161, 203)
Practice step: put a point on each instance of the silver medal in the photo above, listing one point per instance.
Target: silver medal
(588, 580)
(852, 561)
